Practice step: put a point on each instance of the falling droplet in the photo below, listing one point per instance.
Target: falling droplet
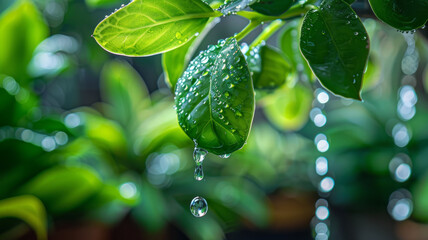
(199, 155)
(199, 173)
(199, 207)
(227, 155)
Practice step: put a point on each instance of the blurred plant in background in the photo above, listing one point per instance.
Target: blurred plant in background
(84, 139)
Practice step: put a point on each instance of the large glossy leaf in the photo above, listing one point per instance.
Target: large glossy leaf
(63, 188)
(123, 88)
(175, 62)
(402, 14)
(147, 27)
(272, 7)
(269, 67)
(289, 108)
(215, 98)
(29, 209)
(289, 44)
(22, 28)
(336, 46)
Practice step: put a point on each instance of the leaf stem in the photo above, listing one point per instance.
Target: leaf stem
(249, 28)
(267, 32)
(295, 11)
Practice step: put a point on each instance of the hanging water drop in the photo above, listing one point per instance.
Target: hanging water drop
(199, 207)
(227, 155)
(199, 173)
(199, 155)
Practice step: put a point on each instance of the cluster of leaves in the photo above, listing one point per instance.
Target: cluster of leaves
(215, 94)
(100, 162)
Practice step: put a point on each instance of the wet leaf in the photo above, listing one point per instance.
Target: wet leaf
(29, 209)
(336, 46)
(403, 15)
(215, 99)
(289, 108)
(272, 7)
(148, 27)
(270, 68)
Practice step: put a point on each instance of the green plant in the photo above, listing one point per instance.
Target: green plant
(215, 94)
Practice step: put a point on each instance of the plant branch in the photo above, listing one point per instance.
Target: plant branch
(249, 28)
(267, 32)
(295, 11)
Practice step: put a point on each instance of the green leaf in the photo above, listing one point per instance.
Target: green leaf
(420, 193)
(336, 46)
(29, 209)
(289, 44)
(123, 88)
(404, 15)
(215, 99)
(269, 67)
(148, 27)
(63, 188)
(22, 28)
(102, 3)
(272, 7)
(175, 62)
(232, 6)
(151, 218)
(289, 108)
(104, 132)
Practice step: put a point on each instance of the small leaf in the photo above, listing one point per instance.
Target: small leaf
(336, 46)
(215, 99)
(123, 88)
(289, 108)
(102, 3)
(148, 27)
(403, 15)
(272, 7)
(104, 132)
(289, 44)
(29, 209)
(175, 62)
(63, 189)
(22, 28)
(269, 67)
